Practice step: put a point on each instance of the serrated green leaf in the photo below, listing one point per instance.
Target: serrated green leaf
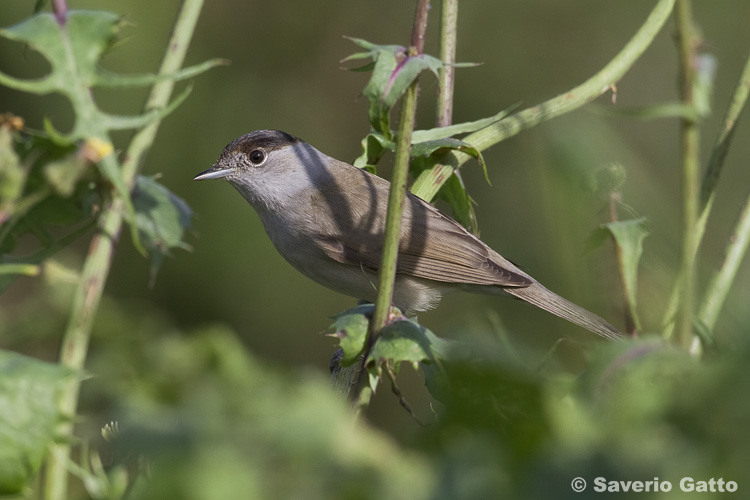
(368, 45)
(431, 147)
(452, 191)
(356, 56)
(629, 236)
(351, 329)
(374, 91)
(406, 71)
(29, 390)
(72, 50)
(161, 218)
(393, 71)
(373, 147)
(406, 341)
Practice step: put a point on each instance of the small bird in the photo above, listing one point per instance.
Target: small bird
(327, 219)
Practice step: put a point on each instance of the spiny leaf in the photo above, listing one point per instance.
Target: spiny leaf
(406, 71)
(373, 147)
(430, 147)
(393, 71)
(73, 50)
(161, 218)
(406, 341)
(351, 328)
(424, 156)
(628, 235)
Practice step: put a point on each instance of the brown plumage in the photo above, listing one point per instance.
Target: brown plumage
(327, 219)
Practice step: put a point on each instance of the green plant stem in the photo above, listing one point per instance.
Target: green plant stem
(432, 179)
(721, 281)
(396, 195)
(710, 180)
(99, 258)
(689, 143)
(397, 192)
(447, 75)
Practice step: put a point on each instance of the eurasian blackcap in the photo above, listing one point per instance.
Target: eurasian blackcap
(327, 219)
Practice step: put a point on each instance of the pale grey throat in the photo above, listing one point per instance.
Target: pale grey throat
(327, 218)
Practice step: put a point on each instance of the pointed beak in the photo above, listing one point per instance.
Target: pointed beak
(213, 173)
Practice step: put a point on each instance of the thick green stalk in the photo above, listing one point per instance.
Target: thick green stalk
(396, 195)
(710, 180)
(689, 144)
(431, 180)
(99, 258)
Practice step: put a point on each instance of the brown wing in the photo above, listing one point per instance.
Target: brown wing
(433, 246)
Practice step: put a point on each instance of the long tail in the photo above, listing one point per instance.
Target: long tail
(539, 296)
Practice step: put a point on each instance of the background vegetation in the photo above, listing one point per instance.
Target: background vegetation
(221, 365)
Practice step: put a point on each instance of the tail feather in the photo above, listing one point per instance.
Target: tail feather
(545, 299)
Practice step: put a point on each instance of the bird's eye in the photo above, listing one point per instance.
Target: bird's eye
(257, 156)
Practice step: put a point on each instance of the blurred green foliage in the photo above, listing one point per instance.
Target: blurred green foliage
(204, 412)
(201, 417)
(28, 416)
